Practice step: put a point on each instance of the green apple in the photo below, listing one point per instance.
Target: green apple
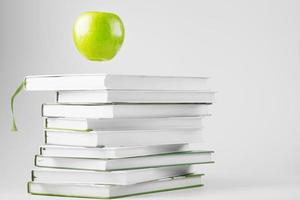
(98, 35)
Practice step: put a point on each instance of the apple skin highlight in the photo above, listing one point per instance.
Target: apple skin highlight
(98, 36)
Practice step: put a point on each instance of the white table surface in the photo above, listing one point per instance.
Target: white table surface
(213, 190)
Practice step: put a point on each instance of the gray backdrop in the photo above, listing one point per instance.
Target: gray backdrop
(249, 48)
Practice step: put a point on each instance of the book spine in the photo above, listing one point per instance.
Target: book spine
(28, 188)
(41, 151)
(45, 122)
(45, 137)
(35, 160)
(56, 97)
(32, 175)
(42, 110)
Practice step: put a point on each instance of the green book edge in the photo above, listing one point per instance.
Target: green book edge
(129, 195)
(146, 156)
(157, 166)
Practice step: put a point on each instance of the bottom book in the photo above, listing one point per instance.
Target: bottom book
(113, 191)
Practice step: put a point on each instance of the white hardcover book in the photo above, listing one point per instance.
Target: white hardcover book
(122, 177)
(113, 81)
(182, 158)
(113, 191)
(134, 96)
(122, 138)
(85, 124)
(124, 110)
(111, 152)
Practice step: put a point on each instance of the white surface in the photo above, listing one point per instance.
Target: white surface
(249, 48)
(221, 189)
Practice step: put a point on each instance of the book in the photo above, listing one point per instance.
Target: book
(111, 152)
(182, 158)
(134, 96)
(114, 191)
(87, 124)
(124, 110)
(121, 177)
(122, 138)
(111, 81)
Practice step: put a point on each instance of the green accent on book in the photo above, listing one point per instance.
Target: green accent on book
(12, 101)
(117, 197)
(129, 195)
(133, 168)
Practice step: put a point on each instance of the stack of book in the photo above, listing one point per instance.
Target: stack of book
(109, 136)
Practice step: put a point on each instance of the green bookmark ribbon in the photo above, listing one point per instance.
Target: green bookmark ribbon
(12, 101)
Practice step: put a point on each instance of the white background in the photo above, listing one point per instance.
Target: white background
(250, 49)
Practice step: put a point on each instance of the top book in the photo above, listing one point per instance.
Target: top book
(113, 81)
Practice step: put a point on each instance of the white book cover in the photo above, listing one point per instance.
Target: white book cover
(121, 177)
(171, 159)
(111, 152)
(113, 81)
(134, 96)
(124, 110)
(88, 124)
(122, 138)
(113, 191)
